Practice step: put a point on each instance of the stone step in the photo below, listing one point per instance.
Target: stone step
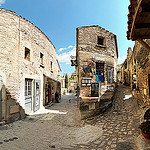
(142, 143)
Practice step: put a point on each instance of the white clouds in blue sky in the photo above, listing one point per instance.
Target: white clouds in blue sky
(121, 59)
(65, 57)
(2, 2)
(61, 49)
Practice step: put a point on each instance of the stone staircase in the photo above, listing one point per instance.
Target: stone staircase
(106, 100)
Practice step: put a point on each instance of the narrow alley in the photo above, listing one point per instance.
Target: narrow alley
(116, 129)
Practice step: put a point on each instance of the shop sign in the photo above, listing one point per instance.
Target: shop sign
(98, 58)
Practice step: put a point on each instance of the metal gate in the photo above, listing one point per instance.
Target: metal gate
(28, 96)
(0, 98)
(36, 94)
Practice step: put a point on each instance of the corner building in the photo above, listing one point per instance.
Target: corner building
(97, 55)
(29, 70)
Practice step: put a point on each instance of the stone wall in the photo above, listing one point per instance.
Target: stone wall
(89, 52)
(16, 34)
(93, 107)
(139, 67)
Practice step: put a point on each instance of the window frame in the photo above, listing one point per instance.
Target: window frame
(27, 54)
(41, 59)
(102, 38)
(28, 87)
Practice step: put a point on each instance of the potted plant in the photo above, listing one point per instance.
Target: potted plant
(145, 125)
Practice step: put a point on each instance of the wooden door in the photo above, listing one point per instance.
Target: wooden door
(100, 72)
(28, 96)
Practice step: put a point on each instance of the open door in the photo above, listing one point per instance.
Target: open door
(95, 89)
(28, 96)
(37, 91)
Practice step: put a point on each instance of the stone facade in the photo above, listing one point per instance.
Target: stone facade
(139, 68)
(97, 55)
(125, 71)
(27, 56)
(63, 89)
(72, 83)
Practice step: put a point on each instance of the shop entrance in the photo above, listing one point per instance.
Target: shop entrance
(28, 96)
(95, 89)
(37, 91)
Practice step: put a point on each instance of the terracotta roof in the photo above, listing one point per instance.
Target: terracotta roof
(139, 20)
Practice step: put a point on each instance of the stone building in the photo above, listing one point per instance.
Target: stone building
(29, 70)
(63, 88)
(125, 68)
(97, 54)
(119, 73)
(139, 31)
(139, 67)
(72, 83)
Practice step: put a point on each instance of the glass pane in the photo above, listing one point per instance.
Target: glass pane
(29, 87)
(25, 93)
(37, 85)
(29, 92)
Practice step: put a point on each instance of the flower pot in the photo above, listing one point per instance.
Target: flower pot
(147, 136)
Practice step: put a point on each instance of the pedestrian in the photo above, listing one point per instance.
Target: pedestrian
(57, 97)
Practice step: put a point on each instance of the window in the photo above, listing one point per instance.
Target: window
(41, 58)
(86, 81)
(51, 63)
(27, 54)
(28, 84)
(100, 41)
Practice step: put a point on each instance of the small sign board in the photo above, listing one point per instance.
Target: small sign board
(98, 58)
(73, 62)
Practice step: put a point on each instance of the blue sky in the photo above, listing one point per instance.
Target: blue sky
(60, 18)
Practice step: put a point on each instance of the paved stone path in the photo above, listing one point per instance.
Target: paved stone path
(116, 129)
(120, 124)
(49, 131)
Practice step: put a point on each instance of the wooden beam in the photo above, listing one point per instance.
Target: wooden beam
(144, 44)
(142, 25)
(135, 37)
(134, 18)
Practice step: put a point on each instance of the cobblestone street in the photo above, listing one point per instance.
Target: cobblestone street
(116, 129)
(120, 124)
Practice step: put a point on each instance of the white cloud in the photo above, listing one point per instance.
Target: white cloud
(65, 57)
(2, 2)
(61, 49)
(70, 46)
(121, 59)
